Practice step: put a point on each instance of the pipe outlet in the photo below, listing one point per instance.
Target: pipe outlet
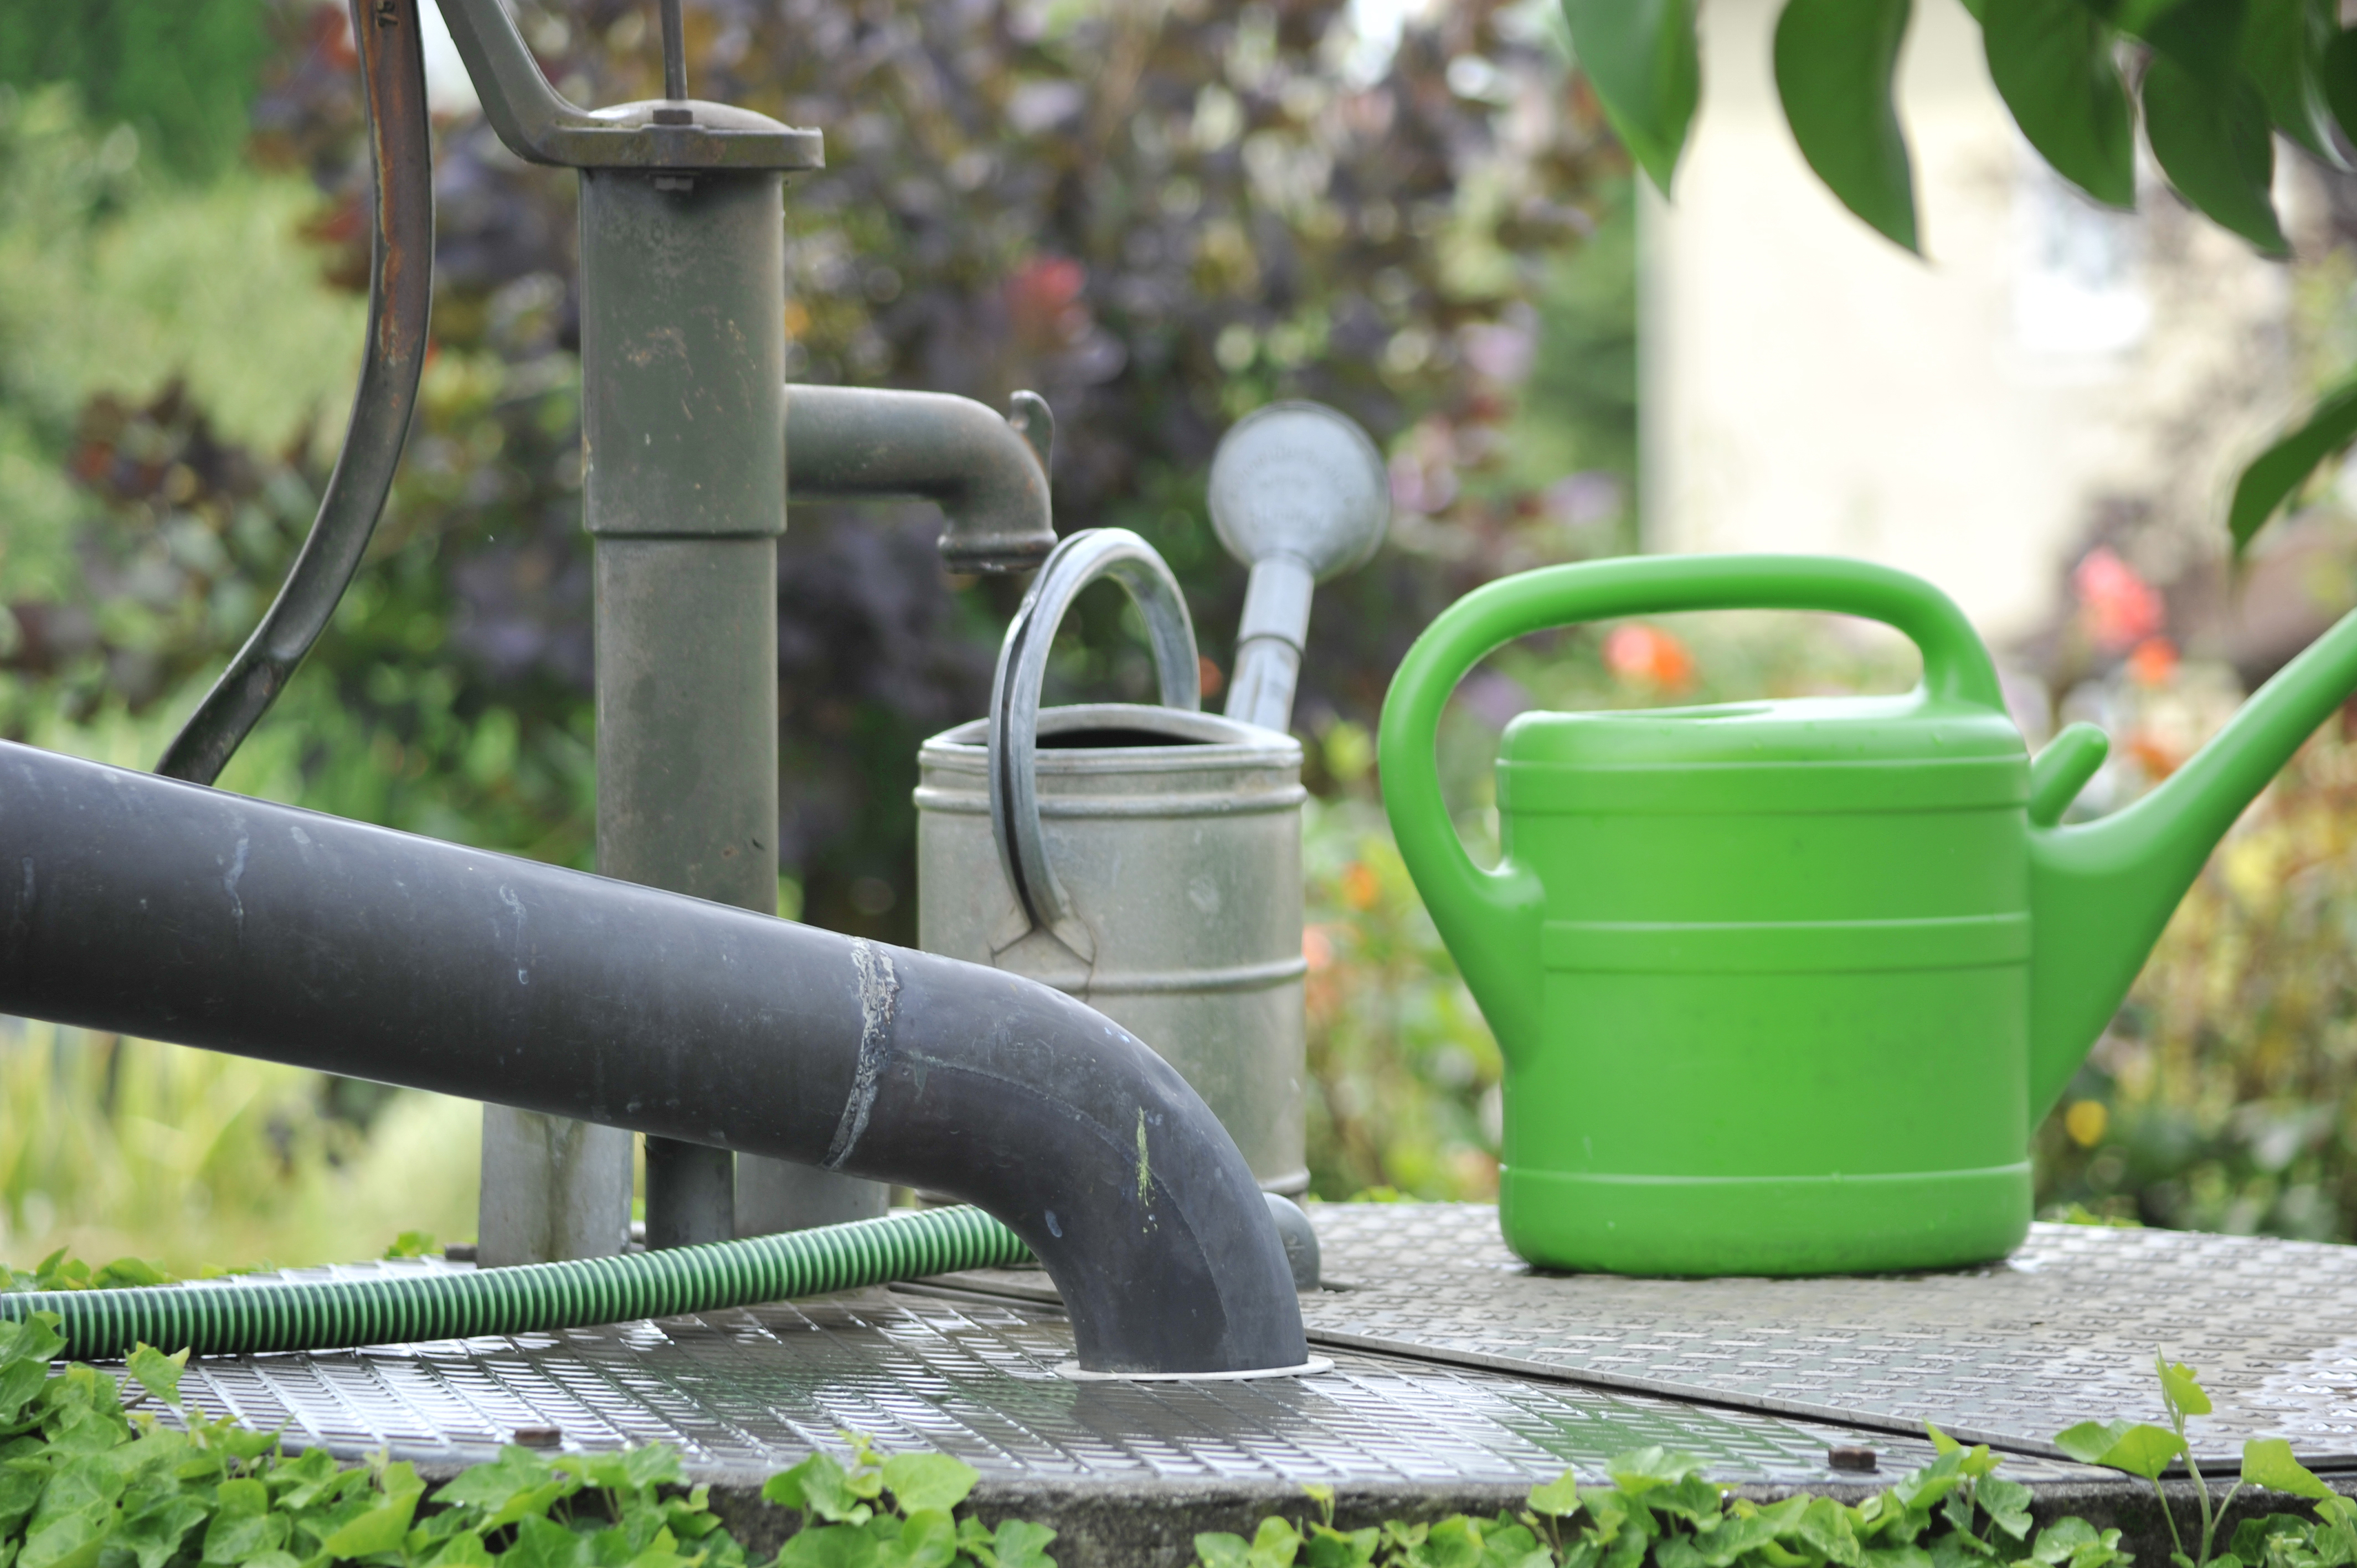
(987, 474)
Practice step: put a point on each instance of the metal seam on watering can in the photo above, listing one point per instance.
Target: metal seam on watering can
(1781, 987)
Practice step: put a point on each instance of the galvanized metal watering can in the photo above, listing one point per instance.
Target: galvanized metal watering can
(1145, 859)
(1782, 987)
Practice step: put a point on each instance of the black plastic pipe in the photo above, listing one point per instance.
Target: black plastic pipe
(148, 907)
(401, 294)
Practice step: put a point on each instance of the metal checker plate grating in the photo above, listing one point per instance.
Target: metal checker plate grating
(2063, 1331)
(748, 1391)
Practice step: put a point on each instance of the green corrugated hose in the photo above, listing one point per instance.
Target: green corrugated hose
(227, 1318)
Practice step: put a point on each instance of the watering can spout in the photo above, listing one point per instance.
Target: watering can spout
(2101, 892)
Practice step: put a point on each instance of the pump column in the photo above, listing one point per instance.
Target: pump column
(683, 430)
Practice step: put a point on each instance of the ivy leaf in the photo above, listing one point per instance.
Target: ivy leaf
(2008, 1505)
(2267, 1462)
(1831, 1530)
(464, 1550)
(2143, 1451)
(1559, 1498)
(1220, 1549)
(2181, 1385)
(1642, 1470)
(920, 1481)
(151, 1533)
(379, 1529)
(2284, 45)
(519, 1485)
(928, 1540)
(821, 1484)
(1834, 62)
(157, 1373)
(545, 1543)
(2273, 476)
(35, 1339)
(2089, 1440)
(1641, 58)
(2051, 61)
(2212, 139)
(1331, 1548)
(243, 1528)
(2064, 1540)
(1019, 1544)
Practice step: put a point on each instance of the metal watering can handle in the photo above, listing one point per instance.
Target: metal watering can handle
(1080, 559)
(1466, 902)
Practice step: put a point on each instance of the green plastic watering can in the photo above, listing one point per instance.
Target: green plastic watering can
(1782, 987)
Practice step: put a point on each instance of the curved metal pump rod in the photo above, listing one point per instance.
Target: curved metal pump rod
(400, 293)
(148, 907)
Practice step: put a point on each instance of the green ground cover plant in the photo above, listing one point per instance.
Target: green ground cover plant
(1956, 1512)
(93, 1477)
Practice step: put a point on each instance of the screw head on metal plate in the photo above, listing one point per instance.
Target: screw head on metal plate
(1300, 479)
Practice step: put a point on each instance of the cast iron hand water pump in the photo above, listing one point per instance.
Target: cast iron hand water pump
(682, 1008)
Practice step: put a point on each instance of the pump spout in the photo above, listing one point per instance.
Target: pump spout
(2102, 891)
(987, 473)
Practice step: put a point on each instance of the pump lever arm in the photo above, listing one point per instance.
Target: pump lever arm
(400, 293)
(540, 125)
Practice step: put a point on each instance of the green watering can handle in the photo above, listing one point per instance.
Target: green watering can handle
(1468, 903)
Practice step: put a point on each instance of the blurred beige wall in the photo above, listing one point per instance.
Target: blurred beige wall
(1971, 417)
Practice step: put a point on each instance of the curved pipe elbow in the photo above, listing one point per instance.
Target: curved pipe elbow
(987, 473)
(149, 906)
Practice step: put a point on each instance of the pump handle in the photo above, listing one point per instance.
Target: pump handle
(401, 294)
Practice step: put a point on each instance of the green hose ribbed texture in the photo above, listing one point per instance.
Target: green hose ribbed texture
(221, 1318)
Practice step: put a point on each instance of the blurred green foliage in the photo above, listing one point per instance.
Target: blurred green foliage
(180, 75)
(2224, 1097)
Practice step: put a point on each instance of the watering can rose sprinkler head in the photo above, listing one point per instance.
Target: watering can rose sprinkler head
(1299, 494)
(1784, 987)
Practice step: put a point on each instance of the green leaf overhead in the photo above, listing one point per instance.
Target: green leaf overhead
(2052, 62)
(2284, 47)
(2277, 473)
(1641, 58)
(1834, 64)
(2212, 139)
(2337, 78)
(2205, 37)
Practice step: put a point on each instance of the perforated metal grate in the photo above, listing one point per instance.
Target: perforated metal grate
(2062, 1331)
(748, 1391)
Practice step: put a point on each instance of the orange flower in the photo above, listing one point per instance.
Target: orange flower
(2119, 607)
(1646, 654)
(2153, 662)
(1359, 887)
